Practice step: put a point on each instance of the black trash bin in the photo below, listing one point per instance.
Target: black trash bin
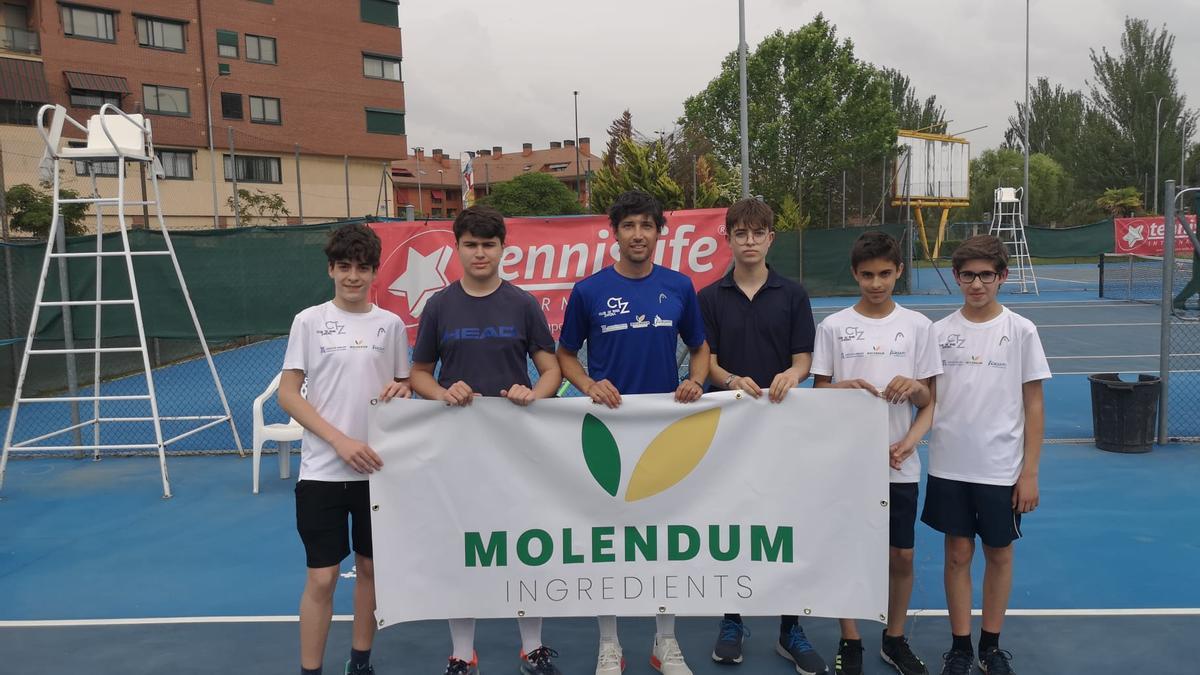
(1124, 414)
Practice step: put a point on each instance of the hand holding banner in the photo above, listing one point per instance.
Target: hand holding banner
(565, 508)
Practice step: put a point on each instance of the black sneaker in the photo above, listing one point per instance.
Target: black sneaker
(995, 661)
(795, 647)
(849, 659)
(460, 667)
(957, 662)
(896, 652)
(537, 662)
(728, 649)
(369, 670)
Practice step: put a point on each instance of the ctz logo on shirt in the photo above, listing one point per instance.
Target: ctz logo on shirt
(333, 328)
(954, 341)
(615, 306)
(853, 333)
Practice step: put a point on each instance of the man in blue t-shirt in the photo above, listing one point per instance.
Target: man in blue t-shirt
(484, 330)
(631, 316)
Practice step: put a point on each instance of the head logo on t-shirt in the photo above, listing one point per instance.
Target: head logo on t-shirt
(1004, 340)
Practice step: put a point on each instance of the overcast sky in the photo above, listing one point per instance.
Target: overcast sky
(479, 74)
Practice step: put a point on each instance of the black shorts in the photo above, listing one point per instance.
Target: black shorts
(903, 513)
(964, 509)
(329, 515)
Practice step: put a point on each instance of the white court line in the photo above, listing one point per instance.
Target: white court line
(1067, 281)
(1096, 357)
(1093, 372)
(164, 621)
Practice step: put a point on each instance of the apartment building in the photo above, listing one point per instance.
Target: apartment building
(304, 100)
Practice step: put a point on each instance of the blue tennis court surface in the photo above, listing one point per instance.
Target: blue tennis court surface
(100, 575)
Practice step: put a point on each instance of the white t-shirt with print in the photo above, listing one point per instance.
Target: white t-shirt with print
(978, 431)
(851, 346)
(348, 359)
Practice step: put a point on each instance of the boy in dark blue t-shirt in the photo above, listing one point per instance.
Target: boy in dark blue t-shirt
(631, 316)
(483, 329)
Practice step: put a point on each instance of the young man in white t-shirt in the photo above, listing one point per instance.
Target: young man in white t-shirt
(887, 350)
(351, 352)
(984, 448)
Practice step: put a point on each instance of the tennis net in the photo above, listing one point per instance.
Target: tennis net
(1139, 278)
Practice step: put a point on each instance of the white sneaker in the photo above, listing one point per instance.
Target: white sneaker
(611, 660)
(667, 657)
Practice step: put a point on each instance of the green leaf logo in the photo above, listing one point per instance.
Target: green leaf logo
(601, 454)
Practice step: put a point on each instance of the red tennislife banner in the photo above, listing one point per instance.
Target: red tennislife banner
(544, 256)
(1144, 236)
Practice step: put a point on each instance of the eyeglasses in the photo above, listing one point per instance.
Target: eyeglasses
(968, 278)
(743, 236)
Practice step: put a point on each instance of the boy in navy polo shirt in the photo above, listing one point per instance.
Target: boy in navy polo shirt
(760, 330)
(483, 329)
(631, 316)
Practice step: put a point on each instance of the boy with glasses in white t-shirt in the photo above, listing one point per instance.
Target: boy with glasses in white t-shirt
(887, 350)
(984, 448)
(351, 352)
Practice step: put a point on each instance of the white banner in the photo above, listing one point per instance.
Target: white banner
(567, 508)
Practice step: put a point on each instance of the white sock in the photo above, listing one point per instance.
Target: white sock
(531, 633)
(462, 635)
(608, 627)
(664, 624)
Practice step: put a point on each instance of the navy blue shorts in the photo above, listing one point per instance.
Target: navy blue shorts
(962, 509)
(329, 516)
(903, 514)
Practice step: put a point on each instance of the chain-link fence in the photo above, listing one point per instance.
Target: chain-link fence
(1183, 387)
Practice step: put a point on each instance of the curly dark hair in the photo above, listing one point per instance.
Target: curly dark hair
(354, 242)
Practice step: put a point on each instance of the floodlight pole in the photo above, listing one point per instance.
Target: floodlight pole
(1168, 289)
(1025, 190)
(744, 115)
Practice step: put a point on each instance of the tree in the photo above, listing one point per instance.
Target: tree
(1049, 184)
(814, 111)
(1123, 95)
(533, 194)
(637, 165)
(912, 113)
(267, 206)
(30, 210)
(1121, 203)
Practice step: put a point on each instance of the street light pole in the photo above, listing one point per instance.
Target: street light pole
(578, 187)
(417, 150)
(212, 158)
(744, 115)
(1025, 189)
(1183, 133)
(1157, 131)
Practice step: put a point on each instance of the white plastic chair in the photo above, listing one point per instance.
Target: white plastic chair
(283, 434)
(113, 135)
(1008, 195)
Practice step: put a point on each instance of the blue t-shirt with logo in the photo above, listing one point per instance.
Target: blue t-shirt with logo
(483, 341)
(631, 327)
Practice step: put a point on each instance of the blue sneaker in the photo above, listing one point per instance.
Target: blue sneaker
(728, 649)
(796, 648)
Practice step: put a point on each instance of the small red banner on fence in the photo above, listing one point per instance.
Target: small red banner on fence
(1145, 236)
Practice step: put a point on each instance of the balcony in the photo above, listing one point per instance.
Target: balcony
(19, 40)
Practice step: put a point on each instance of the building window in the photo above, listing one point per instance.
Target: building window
(165, 100)
(264, 110)
(381, 121)
(176, 164)
(108, 168)
(231, 106)
(381, 67)
(227, 44)
(260, 49)
(19, 112)
(435, 212)
(254, 169)
(82, 98)
(383, 12)
(160, 33)
(87, 23)
(562, 166)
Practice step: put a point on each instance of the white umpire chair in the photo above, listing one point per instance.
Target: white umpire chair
(112, 136)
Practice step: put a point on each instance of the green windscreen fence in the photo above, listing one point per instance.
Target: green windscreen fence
(1071, 242)
(825, 254)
